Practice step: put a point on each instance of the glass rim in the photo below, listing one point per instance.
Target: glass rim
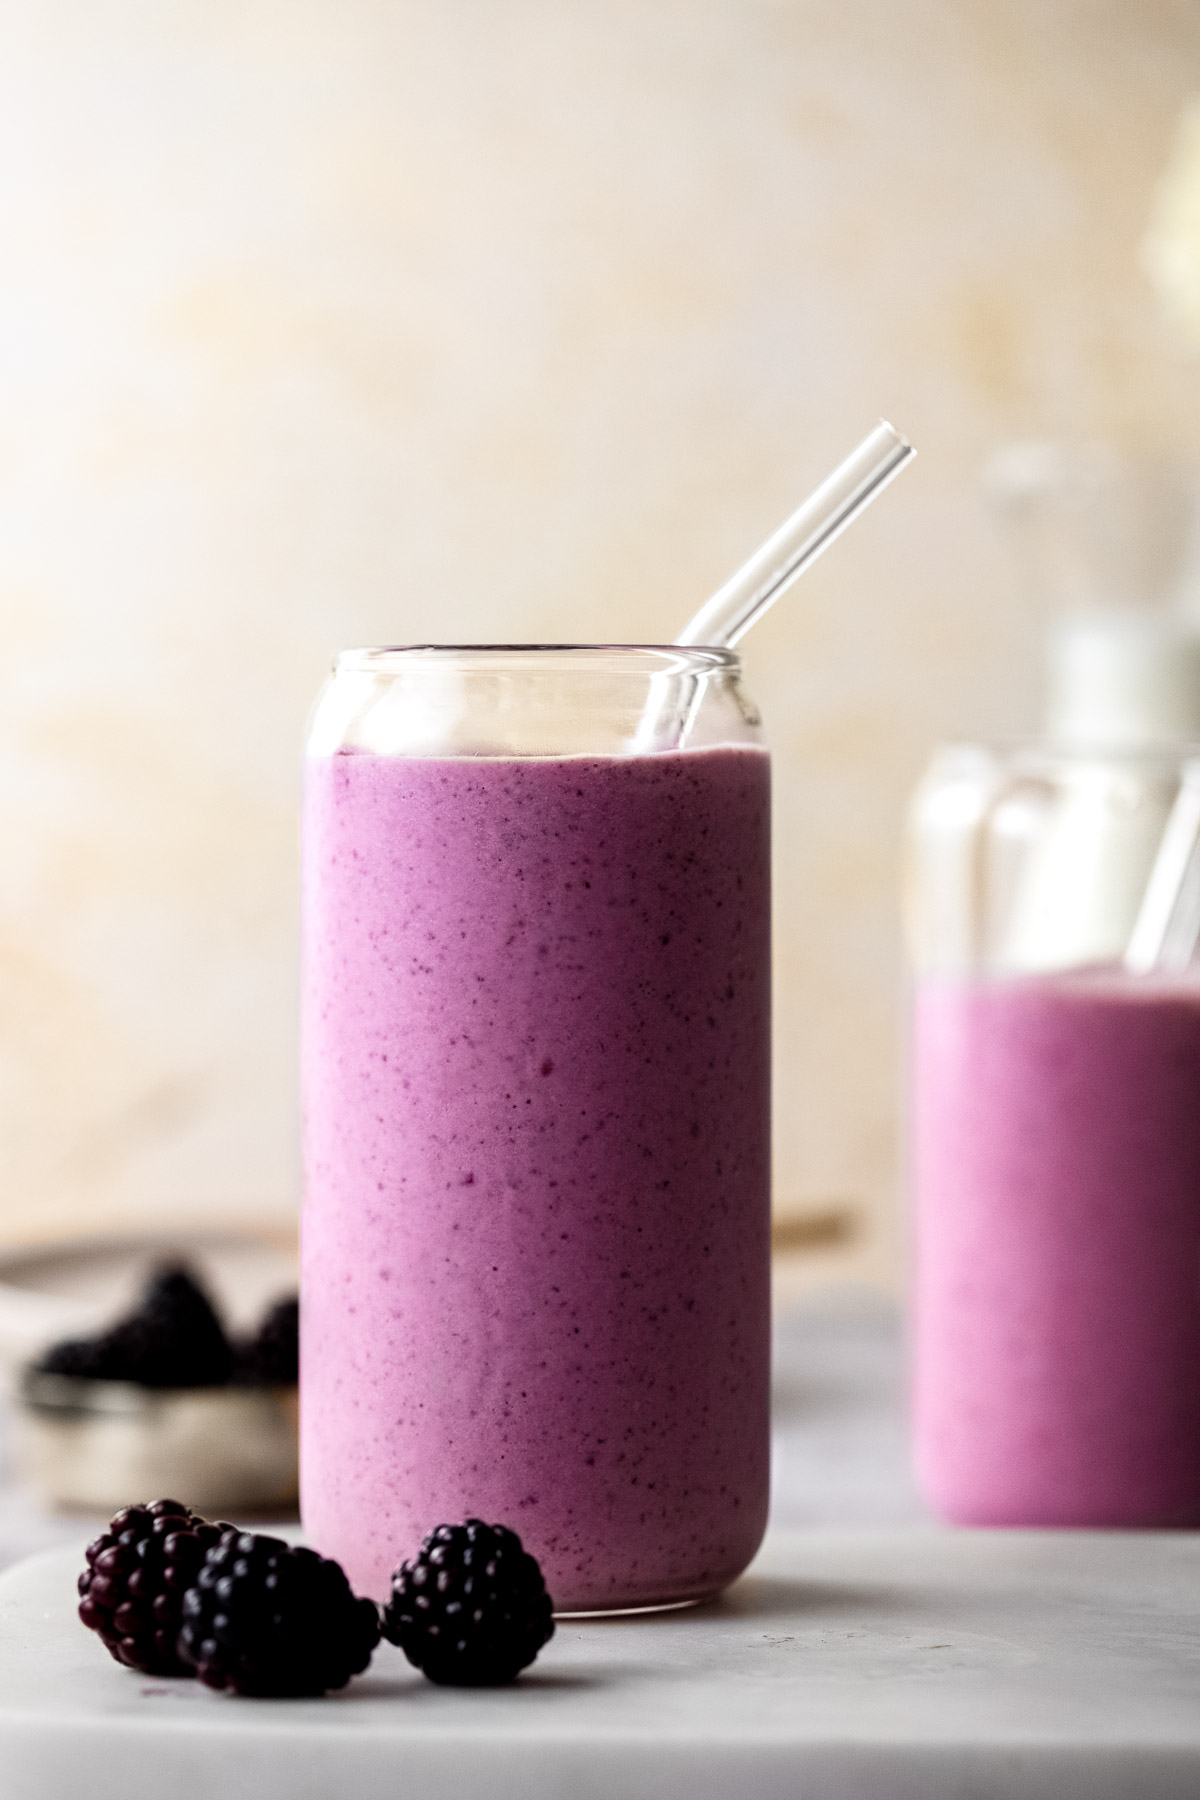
(612, 659)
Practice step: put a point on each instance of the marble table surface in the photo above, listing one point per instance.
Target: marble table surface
(868, 1655)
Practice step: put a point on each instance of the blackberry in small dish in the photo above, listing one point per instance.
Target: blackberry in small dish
(172, 1339)
(271, 1358)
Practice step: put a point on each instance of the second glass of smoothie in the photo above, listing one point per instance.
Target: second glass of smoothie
(536, 1076)
(1055, 1148)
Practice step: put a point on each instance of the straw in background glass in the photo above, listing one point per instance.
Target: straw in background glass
(1167, 930)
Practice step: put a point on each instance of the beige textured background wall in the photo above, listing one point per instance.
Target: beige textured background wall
(341, 320)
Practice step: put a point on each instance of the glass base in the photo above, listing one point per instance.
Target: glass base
(629, 1612)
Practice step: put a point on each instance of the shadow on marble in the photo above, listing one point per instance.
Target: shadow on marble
(413, 1687)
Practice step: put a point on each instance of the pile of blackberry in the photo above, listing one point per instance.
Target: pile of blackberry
(471, 1610)
(174, 1338)
(170, 1594)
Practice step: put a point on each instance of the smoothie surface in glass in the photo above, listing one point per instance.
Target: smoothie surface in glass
(535, 1236)
(1056, 1166)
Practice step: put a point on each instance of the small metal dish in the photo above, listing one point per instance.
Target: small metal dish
(100, 1445)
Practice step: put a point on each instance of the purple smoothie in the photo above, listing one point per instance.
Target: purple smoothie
(536, 1070)
(1056, 1149)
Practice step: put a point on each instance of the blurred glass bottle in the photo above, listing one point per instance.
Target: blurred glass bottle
(1111, 545)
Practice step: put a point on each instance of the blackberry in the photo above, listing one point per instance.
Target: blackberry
(272, 1357)
(264, 1618)
(173, 1339)
(132, 1589)
(471, 1610)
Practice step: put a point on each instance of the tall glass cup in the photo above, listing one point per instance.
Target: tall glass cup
(536, 1073)
(1055, 1146)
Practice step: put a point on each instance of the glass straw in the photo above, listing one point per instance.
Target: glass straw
(811, 529)
(1167, 930)
(746, 596)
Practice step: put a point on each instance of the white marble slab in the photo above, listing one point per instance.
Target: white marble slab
(870, 1664)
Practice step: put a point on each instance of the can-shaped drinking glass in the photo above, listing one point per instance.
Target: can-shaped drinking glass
(536, 1114)
(1055, 1136)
